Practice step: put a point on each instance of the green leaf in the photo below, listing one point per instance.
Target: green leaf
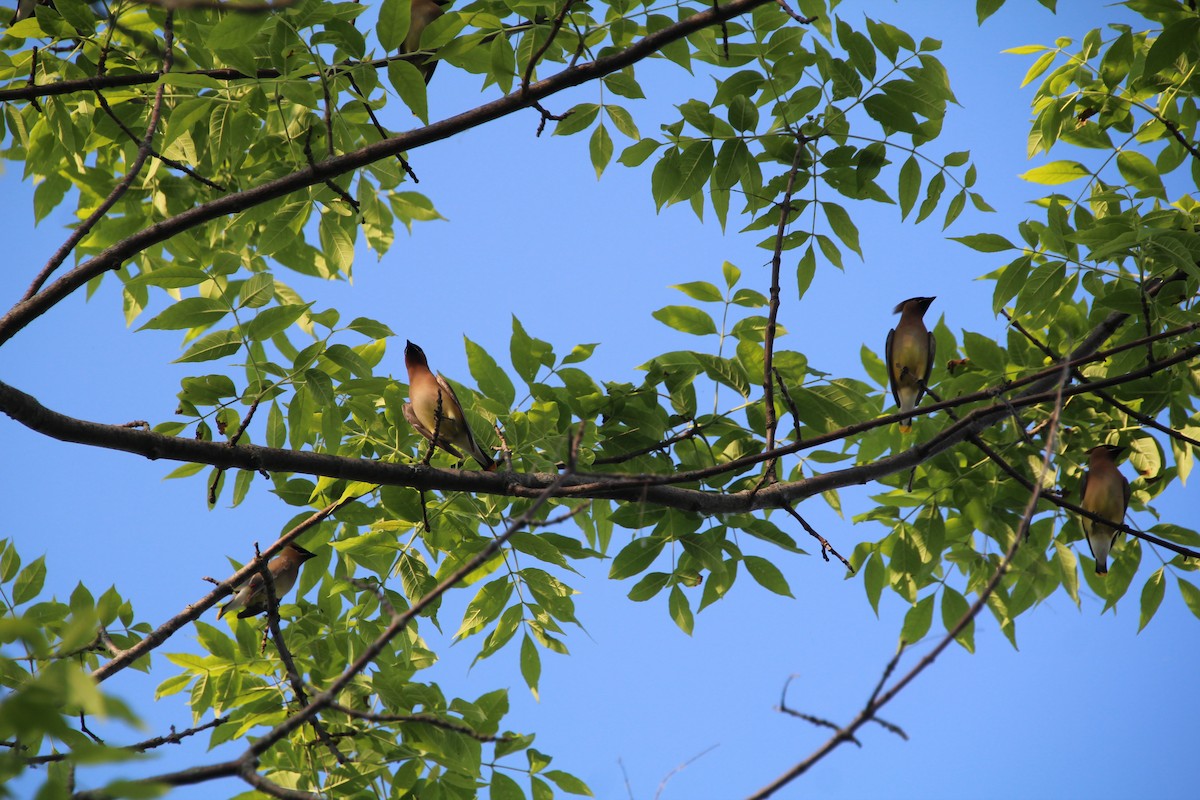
(1038, 67)
(527, 353)
(622, 120)
(695, 166)
(636, 557)
(909, 186)
(578, 118)
(624, 85)
(680, 611)
(954, 607)
(492, 381)
(568, 782)
(1012, 277)
(649, 586)
(1141, 173)
(601, 149)
(531, 664)
(842, 225)
(211, 347)
(1191, 595)
(192, 312)
(767, 575)
(726, 371)
(370, 328)
(703, 291)
(985, 8)
(395, 18)
(874, 579)
(409, 83)
(986, 242)
(1152, 597)
(1176, 39)
(487, 604)
(275, 320)
(686, 319)
(29, 581)
(1056, 172)
(504, 787)
(917, 621)
(638, 152)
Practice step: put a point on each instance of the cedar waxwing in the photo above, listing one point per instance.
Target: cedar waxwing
(424, 388)
(251, 597)
(909, 353)
(1105, 492)
(422, 13)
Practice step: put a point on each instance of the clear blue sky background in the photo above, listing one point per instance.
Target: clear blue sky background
(1087, 707)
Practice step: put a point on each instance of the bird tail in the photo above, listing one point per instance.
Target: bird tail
(905, 426)
(485, 461)
(1101, 567)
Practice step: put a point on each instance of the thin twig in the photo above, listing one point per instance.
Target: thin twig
(680, 768)
(140, 747)
(427, 719)
(1144, 419)
(383, 133)
(788, 10)
(555, 27)
(878, 700)
(785, 208)
(826, 547)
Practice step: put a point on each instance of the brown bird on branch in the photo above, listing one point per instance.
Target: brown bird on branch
(909, 350)
(430, 394)
(251, 597)
(1105, 492)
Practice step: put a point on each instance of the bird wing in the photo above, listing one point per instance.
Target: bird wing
(476, 451)
(928, 368)
(887, 351)
(410, 414)
(1128, 493)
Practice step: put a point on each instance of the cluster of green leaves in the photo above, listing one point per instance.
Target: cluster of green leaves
(1130, 99)
(799, 113)
(834, 112)
(47, 648)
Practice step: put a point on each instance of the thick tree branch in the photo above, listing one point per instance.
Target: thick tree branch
(652, 488)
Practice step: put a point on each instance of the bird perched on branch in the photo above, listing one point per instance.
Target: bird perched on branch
(422, 14)
(909, 350)
(1105, 492)
(435, 407)
(251, 597)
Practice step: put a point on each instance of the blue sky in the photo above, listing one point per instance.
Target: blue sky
(1085, 708)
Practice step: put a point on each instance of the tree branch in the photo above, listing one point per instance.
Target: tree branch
(880, 698)
(785, 208)
(193, 612)
(144, 150)
(652, 488)
(115, 256)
